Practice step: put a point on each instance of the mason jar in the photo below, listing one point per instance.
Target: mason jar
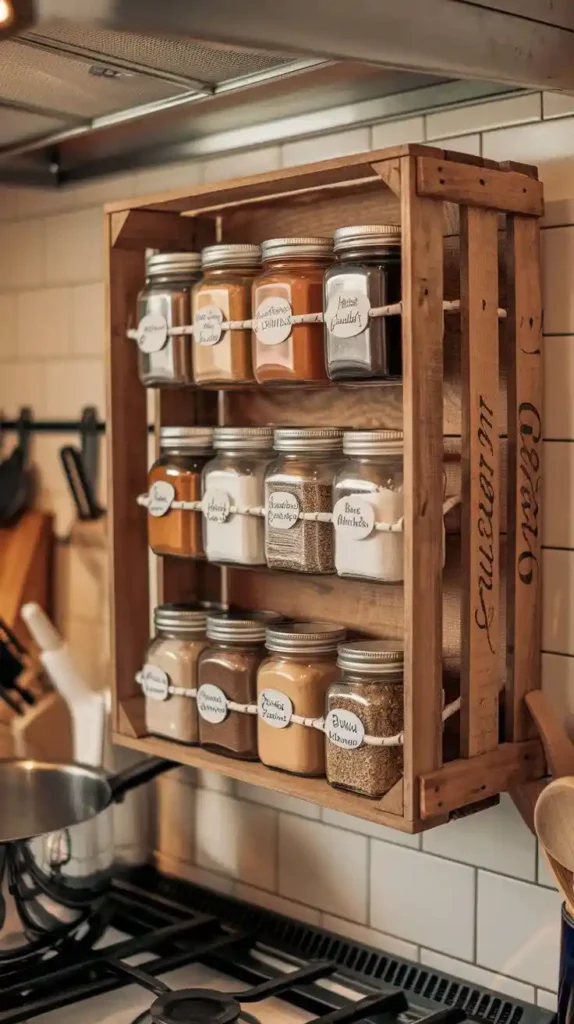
(368, 489)
(235, 477)
(223, 358)
(228, 673)
(171, 663)
(176, 476)
(294, 680)
(301, 480)
(365, 704)
(291, 283)
(165, 360)
(367, 274)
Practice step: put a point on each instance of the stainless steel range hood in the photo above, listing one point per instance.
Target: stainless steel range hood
(90, 87)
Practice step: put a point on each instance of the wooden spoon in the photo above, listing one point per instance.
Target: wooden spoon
(554, 823)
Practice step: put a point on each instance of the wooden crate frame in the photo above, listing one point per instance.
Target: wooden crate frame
(470, 228)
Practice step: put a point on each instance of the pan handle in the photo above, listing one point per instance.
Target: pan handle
(137, 774)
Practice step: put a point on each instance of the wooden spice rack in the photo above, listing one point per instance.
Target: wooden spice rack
(470, 232)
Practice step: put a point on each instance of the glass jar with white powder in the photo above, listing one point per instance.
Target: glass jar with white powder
(368, 489)
(234, 479)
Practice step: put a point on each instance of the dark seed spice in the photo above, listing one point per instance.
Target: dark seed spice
(308, 546)
(368, 770)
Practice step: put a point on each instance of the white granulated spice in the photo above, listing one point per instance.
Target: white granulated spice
(379, 555)
(240, 538)
(234, 478)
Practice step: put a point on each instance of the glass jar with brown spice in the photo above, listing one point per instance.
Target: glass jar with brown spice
(363, 709)
(176, 476)
(294, 680)
(169, 676)
(228, 682)
(223, 358)
(291, 283)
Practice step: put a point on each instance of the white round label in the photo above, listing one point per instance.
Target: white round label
(282, 510)
(152, 332)
(211, 703)
(354, 517)
(207, 325)
(216, 505)
(347, 314)
(273, 318)
(274, 708)
(155, 682)
(161, 495)
(344, 729)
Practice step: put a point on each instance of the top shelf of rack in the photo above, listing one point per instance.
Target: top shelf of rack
(511, 186)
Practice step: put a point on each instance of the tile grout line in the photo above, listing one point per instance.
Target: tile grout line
(475, 921)
(369, 886)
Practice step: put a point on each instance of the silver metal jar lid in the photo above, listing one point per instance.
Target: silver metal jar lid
(367, 236)
(373, 442)
(183, 263)
(238, 439)
(235, 255)
(186, 438)
(181, 618)
(305, 638)
(277, 248)
(306, 439)
(240, 627)
(372, 657)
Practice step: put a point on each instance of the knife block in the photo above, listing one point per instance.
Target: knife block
(44, 731)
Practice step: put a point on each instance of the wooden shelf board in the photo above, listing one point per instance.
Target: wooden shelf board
(315, 791)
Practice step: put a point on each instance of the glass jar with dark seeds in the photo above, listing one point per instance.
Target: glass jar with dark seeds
(366, 702)
(301, 480)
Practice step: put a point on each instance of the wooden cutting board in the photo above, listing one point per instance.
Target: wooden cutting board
(25, 568)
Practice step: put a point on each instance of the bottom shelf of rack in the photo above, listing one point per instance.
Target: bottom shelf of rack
(387, 811)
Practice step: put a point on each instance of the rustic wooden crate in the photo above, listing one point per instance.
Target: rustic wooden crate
(472, 380)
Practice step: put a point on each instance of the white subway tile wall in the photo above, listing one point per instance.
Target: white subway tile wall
(472, 897)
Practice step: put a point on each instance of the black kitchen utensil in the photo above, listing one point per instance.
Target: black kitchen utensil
(12, 665)
(79, 484)
(16, 476)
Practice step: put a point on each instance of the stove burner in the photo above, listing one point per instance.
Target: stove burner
(195, 1006)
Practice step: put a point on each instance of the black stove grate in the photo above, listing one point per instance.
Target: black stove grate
(181, 923)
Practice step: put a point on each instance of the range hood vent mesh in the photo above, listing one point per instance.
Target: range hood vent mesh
(37, 78)
(175, 56)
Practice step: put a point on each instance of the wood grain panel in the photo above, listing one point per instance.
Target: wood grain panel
(127, 473)
(467, 780)
(480, 679)
(524, 327)
(315, 791)
(479, 186)
(422, 333)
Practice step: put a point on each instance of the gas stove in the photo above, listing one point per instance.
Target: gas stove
(179, 954)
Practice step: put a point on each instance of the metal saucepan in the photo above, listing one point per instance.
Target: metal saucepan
(57, 851)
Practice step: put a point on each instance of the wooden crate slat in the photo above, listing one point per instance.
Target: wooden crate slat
(524, 326)
(127, 471)
(422, 330)
(463, 782)
(480, 603)
(479, 186)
